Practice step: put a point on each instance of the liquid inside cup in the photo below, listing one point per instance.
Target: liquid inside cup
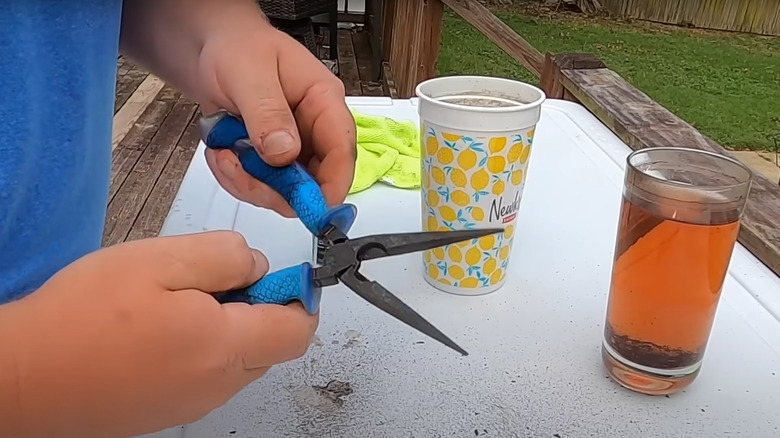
(481, 101)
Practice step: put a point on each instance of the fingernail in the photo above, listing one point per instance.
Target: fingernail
(261, 262)
(277, 143)
(228, 168)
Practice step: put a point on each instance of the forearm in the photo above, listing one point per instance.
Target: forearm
(167, 36)
(11, 332)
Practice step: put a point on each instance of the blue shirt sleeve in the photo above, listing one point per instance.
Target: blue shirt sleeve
(58, 62)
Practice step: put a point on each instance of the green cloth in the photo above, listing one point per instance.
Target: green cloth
(388, 151)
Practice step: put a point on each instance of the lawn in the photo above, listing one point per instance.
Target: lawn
(726, 85)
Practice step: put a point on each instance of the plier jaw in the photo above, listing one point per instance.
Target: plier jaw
(342, 259)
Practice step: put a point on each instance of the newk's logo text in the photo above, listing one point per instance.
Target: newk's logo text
(504, 213)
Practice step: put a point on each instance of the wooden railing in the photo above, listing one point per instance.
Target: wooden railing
(411, 40)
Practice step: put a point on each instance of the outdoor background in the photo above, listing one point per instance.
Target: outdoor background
(726, 84)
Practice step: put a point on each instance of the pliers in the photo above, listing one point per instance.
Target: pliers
(341, 256)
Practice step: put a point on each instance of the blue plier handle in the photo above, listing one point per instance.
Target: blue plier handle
(225, 131)
(222, 130)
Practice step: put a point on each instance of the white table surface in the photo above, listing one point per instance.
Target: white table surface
(534, 367)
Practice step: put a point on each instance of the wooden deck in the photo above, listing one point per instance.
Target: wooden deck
(155, 137)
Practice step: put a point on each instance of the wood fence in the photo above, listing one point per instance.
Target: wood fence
(411, 39)
(751, 16)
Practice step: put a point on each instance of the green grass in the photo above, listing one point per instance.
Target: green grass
(726, 85)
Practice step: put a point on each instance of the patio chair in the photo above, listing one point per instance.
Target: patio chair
(294, 17)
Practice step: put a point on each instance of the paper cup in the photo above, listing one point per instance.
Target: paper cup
(476, 133)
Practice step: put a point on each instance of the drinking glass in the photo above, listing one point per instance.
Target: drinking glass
(679, 222)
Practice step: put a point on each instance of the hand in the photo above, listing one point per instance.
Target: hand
(127, 340)
(292, 104)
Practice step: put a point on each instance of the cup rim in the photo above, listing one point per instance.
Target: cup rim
(749, 173)
(510, 109)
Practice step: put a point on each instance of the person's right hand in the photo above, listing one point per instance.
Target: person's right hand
(127, 340)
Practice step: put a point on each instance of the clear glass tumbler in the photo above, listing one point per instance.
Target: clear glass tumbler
(679, 222)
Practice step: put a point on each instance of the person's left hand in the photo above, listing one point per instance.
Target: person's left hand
(293, 107)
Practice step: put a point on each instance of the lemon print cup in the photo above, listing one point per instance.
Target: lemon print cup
(473, 177)
(472, 182)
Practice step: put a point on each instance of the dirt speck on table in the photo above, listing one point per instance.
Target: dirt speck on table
(334, 391)
(353, 338)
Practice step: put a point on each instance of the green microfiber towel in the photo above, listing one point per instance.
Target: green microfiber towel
(387, 150)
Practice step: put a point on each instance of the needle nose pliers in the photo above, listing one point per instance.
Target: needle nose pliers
(341, 256)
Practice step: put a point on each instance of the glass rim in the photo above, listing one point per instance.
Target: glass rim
(714, 155)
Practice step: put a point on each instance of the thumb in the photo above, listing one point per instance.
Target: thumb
(263, 107)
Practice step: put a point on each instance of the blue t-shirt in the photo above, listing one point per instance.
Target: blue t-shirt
(58, 62)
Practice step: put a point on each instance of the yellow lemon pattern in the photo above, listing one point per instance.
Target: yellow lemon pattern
(472, 182)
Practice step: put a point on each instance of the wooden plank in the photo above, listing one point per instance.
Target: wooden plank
(351, 17)
(348, 69)
(363, 55)
(375, 21)
(388, 83)
(753, 16)
(388, 17)
(428, 64)
(134, 107)
(415, 40)
(122, 67)
(553, 65)
(641, 123)
(369, 28)
(129, 77)
(323, 52)
(333, 37)
(137, 139)
(155, 210)
(551, 79)
(499, 33)
(124, 208)
(567, 95)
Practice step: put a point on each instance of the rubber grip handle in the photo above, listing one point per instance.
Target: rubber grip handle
(293, 182)
(281, 287)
